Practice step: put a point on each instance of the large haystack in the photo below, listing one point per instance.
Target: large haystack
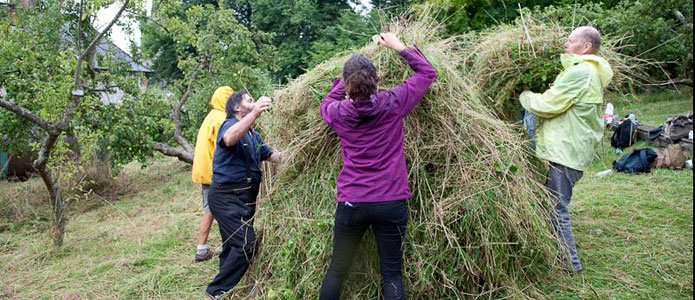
(478, 218)
(508, 59)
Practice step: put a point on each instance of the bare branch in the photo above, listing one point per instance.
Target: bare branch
(171, 151)
(686, 81)
(27, 114)
(176, 110)
(79, 27)
(108, 27)
(108, 89)
(156, 23)
(659, 45)
(78, 93)
(523, 24)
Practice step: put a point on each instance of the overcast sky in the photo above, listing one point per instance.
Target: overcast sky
(123, 39)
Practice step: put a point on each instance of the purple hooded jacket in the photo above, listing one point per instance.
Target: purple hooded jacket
(371, 135)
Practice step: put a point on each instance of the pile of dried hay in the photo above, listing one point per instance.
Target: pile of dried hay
(479, 216)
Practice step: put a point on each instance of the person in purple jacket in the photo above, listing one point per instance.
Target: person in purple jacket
(373, 183)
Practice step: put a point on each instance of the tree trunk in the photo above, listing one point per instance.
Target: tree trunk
(167, 150)
(53, 189)
(54, 130)
(59, 206)
(185, 155)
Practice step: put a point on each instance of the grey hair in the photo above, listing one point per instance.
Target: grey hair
(591, 35)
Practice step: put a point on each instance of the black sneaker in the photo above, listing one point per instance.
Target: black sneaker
(205, 256)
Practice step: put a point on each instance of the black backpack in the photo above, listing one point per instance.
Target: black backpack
(624, 135)
(637, 161)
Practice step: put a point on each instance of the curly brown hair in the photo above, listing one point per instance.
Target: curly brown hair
(360, 77)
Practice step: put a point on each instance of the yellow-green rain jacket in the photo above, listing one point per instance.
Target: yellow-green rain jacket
(570, 112)
(207, 134)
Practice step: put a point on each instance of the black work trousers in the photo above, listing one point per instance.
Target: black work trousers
(233, 206)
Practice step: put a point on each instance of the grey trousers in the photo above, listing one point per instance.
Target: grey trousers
(561, 180)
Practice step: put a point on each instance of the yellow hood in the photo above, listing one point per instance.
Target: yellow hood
(220, 97)
(207, 135)
(605, 73)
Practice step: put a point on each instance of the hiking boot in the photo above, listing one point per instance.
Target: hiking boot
(205, 256)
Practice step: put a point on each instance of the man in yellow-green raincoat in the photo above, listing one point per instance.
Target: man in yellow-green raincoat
(571, 126)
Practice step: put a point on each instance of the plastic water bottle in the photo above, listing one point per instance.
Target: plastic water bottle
(690, 135)
(604, 173)
(608, 114)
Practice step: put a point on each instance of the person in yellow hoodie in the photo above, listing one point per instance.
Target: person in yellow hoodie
(570, 126)
(202, 164)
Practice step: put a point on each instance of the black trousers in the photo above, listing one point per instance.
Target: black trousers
(233, 206)
(388, 221)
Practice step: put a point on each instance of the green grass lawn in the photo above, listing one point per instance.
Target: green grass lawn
(634, 233)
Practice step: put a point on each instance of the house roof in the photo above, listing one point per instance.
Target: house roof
(106, 47)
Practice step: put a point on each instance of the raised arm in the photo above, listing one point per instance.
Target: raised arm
(412, 90)
(333, 97)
